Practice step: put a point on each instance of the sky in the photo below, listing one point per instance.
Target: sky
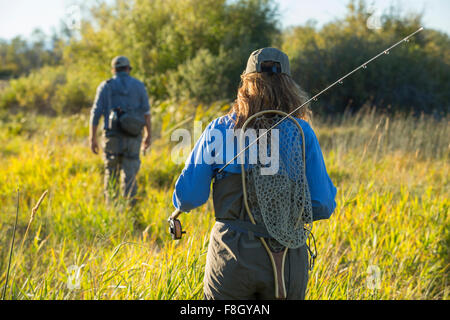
(294, 12)
(21, 17)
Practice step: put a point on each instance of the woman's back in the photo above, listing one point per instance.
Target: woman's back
(262, 202)
(218, 144)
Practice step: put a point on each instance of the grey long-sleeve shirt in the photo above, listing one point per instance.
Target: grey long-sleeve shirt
(126, 92)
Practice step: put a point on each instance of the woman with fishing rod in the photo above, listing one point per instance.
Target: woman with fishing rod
(267, 194)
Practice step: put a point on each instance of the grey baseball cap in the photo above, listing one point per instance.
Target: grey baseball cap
(265, 55)
(120, 61)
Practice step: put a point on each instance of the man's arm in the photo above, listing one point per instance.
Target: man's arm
(93, 139)
(148, 128)
(96, 113)
(148, 118)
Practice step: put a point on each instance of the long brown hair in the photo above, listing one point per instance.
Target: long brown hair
(264, 91)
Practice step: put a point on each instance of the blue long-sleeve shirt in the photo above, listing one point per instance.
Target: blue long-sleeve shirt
(126, 92)
(210, 153)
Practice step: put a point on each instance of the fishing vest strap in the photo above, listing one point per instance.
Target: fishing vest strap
(246, 227)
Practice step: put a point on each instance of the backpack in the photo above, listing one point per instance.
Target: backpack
(125, 121)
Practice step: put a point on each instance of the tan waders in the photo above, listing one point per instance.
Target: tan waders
(237, 264)
(122, 163)
(274, 206)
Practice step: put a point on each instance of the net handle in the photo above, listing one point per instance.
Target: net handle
(242, 145)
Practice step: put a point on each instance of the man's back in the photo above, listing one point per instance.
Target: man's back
(128, 92)
(123, 91)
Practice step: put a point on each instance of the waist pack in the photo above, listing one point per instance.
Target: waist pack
(126, 122)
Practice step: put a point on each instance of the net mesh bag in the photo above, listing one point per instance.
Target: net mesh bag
(280, 200)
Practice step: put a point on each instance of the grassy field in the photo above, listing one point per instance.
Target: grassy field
(392, 176)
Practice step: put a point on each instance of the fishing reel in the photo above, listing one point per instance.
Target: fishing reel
(175, 229)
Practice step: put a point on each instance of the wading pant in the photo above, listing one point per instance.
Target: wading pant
(238, 266)
(122, 163)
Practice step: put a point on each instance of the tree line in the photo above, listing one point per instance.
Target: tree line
(195, 50)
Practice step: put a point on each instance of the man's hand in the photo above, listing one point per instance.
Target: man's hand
(147, 142)
(94, 145)
(148, 128)
(93, 139)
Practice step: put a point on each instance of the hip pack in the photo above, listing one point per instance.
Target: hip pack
(128, 123)
(124, 120)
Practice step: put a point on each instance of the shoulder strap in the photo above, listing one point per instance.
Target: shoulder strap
(109, 92)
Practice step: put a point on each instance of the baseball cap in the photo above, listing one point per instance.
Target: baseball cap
(120, 61)
(265, 55)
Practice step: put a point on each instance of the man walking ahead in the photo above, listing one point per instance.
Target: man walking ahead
(123, 102)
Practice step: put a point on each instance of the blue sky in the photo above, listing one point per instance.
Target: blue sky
(20, 17)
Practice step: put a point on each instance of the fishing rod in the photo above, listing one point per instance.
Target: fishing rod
(314, 98)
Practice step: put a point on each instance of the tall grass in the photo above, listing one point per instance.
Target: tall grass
(392, 175)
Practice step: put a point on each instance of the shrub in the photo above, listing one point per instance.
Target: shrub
(202, 78)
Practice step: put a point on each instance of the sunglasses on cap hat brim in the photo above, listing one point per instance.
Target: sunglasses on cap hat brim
(275, 68)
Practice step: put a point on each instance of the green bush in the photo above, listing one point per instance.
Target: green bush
(34, 92)
(203, 78)
(164, 37)
(195, 50)
(50, 90)
(73, 96)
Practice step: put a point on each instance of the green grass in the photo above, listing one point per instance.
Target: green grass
(392, 176)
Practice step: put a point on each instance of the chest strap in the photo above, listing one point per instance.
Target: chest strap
(246, 227)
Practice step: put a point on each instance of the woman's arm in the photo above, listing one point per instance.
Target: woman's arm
(193, 185)
(321, 188)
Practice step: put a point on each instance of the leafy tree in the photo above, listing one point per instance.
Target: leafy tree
(19, 56)
(203, 77)
(412, 77)
(197, 49)
(161, 35)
